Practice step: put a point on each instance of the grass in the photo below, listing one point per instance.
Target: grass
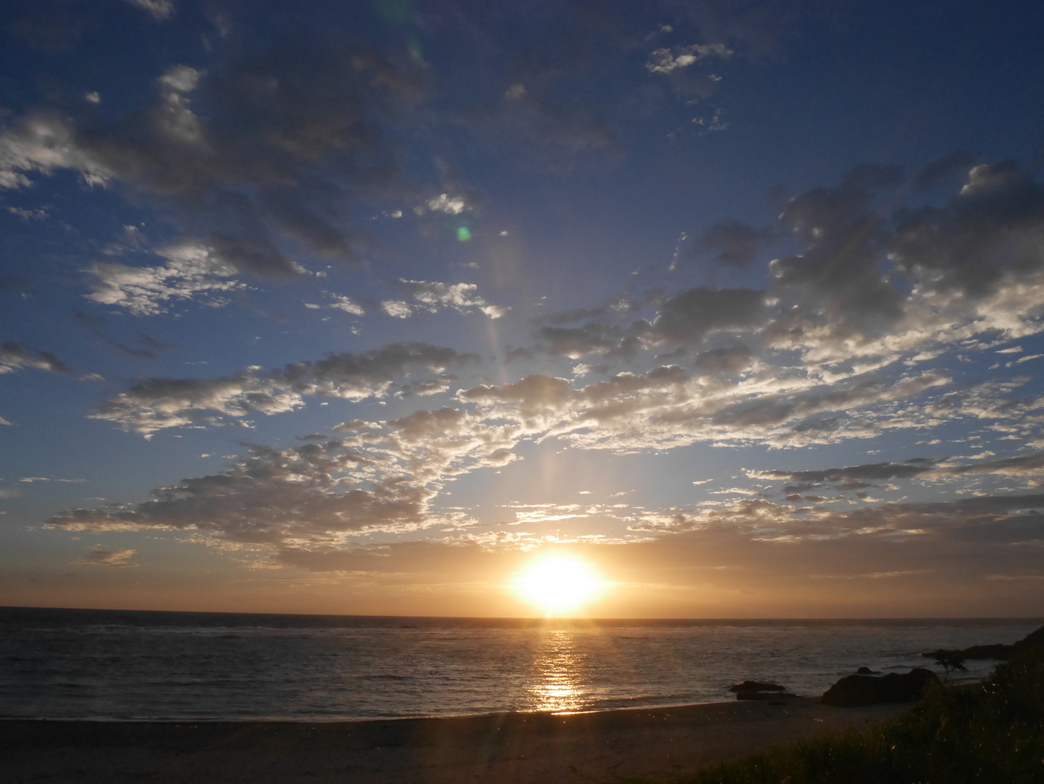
(991, 732)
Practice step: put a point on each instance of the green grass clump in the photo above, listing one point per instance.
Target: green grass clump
(992, 732)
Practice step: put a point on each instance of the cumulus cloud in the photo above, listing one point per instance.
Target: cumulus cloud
(42, 142)
(988, 234)
(307, 504)
(192, 271)
(157, 404)
(578, 342)
(450, 205)
(307, 494)
(875, 279)
(371, 477)
(433, 296)
(691, 316)
(347, 304)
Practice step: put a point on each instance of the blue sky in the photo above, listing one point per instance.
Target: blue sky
(363, 307)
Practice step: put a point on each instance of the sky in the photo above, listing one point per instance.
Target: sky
(368, 307)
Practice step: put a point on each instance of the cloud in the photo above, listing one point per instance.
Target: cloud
(853, 477)
(870, 278)
(537, 401)
(451, 205)
(860, 477)
(347, 304)
(986, 235)
(150, 348)
(160, 403)
(578, 342)
(31, 479)
(98, 556)
(28, 215)
(192, 271)
(42, 143)
(279, 142)
(159, 9)
(306, 494)
(725, 360)
(682, 320)
(373, 477)
(689, 317)
(939, 171)
(777, 409)
(733, 243)
(432, 296)
(15, 356)
(665, 61)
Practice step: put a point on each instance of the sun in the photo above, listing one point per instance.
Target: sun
(558, 584)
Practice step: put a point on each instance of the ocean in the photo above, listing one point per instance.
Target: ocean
(123, 665)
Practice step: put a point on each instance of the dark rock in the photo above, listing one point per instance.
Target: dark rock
(867, 671)
(857, 690)
(755, 690)
(755, 686)
(975, 652)
(1034, 641)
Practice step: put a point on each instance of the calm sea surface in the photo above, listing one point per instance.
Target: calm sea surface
(88, 664)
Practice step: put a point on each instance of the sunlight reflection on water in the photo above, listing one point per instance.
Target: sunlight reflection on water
(124, 665)
(556, 681)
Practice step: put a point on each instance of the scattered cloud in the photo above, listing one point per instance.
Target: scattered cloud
(347, 304)
(159, 9)
(313, 146)
(665, 61)
(191, 272)
(15, 356)
(157, 404)
(98, 556)
(462, 297)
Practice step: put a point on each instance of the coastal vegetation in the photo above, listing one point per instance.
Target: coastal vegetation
(988, 732)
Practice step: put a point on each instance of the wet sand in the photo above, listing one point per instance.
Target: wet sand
(502, 748)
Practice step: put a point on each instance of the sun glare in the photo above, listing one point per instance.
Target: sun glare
(559, 584)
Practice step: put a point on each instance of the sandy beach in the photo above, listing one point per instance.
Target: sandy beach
(506, 748)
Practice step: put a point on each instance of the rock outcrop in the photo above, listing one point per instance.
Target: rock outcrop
(1034, 641)
(756, 690)
(857, 690)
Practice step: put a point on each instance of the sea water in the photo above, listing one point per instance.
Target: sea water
(115, 665)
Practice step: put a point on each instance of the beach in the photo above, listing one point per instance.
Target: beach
(510, 748)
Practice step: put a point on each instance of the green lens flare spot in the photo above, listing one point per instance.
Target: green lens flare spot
(463, 234)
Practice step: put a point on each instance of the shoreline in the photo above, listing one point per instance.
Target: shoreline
(369, 719)
(507, 747)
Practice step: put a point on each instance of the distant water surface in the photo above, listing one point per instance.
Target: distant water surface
(88, 664)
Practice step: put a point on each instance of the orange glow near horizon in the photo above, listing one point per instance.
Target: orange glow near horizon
(559, 584)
